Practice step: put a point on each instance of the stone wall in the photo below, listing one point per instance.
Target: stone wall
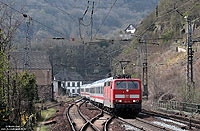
(45, 92)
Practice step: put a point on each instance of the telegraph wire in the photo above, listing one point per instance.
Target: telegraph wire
(63, 11)
(105, 18)
(164, 14)
(25, 15)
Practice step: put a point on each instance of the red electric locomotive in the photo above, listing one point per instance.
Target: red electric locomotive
(117, 94)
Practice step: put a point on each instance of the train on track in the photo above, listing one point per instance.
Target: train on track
(116, 94)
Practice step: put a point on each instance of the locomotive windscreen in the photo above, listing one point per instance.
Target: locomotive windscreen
(126, 85)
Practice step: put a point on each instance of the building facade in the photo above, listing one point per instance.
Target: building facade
(72, 87)
(67, 83)
(40, 66)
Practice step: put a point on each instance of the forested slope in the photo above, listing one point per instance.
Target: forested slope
(165, 30)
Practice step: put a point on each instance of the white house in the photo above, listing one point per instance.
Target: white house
(130, 29)
(70, 83)
(72, 87)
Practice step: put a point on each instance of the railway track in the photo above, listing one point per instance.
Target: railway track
(81, 122)
(75, 119)
(180, 121)
(99, 122)
(155, 122)
(104, 121)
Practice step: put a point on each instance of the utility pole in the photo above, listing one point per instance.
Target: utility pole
(138, 62)
(145, 68)
(190, 82)
(27, 49)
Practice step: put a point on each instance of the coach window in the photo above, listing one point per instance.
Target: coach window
(102, 90)
(109, 83)
(97, 90)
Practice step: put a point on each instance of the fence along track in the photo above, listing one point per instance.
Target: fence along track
(179, 106)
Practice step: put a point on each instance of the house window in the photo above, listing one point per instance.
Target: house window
(73, 84)
(73, 91)
(68, 90)
(78, 91)
(68, 84)
(78, 84)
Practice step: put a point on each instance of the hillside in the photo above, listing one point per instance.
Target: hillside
(63, 15)
(167, 67)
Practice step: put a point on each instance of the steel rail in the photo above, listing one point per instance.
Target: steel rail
(88, 122)
(114, 116)
(72, 124)
(122, 120)
(108, 122)
(70, 119)
(147, 122)
(184, 120)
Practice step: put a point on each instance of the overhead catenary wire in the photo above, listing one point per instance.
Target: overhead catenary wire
(163, 15)
(63, 11)
(36, 21)
(92, 19)
(81, 22)
(105, 18)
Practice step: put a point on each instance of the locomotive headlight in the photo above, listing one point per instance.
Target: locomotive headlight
(134, 101)
(120, 100)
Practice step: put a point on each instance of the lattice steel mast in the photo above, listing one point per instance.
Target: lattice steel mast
(145, 69)
(27, 48)
(190, 52)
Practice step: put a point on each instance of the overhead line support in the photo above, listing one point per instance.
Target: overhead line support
(145, 69)
(26, 55)
(190, 88)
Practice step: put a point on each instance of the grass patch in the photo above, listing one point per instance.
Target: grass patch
(50, 112)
